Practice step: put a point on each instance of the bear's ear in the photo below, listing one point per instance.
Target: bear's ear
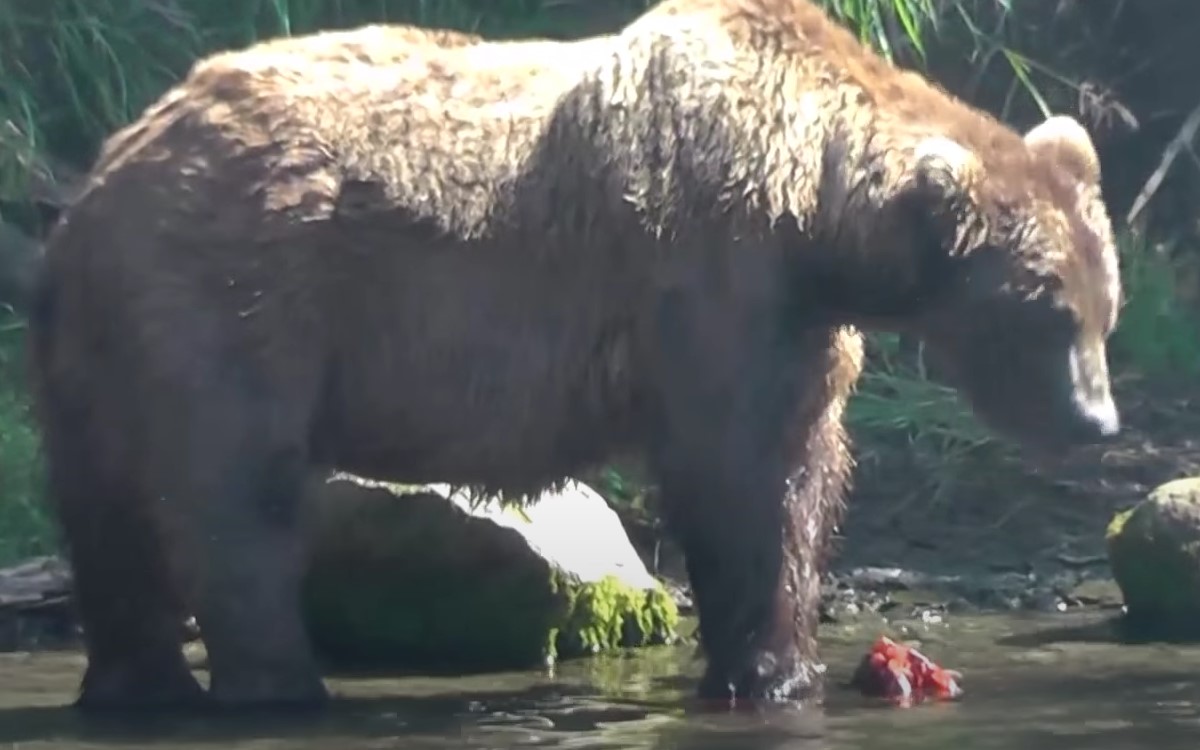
(944, 176)
(1066, 143)
(945, 169)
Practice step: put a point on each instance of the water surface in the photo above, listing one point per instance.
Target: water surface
(1033, 683)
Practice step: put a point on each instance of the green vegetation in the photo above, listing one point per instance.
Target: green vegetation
(1159, 333)
(608, 615)
(71, 71)
(25, 527)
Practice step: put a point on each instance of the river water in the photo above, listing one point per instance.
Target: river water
(1038, 682)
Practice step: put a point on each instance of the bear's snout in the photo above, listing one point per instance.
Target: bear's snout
(1097, 418)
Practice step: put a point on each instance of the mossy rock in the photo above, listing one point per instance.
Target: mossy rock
(425, 578)
(1154, 551)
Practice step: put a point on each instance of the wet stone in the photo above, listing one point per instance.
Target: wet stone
(1096, 592)
(1154, 550)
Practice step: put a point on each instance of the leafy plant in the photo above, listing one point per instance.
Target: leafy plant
(1159, 332)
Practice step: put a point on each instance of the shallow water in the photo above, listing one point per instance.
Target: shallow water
(1034, 683)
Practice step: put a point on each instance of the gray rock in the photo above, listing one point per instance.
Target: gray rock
(34, 582)
(35, 607)
(1101, 592)
(1154, 550)
(424, 576)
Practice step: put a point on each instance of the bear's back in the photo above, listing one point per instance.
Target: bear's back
(436, 122)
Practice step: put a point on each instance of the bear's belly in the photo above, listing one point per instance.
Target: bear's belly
(480, 388)
(486, 425)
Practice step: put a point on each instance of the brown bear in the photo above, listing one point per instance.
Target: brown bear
(495, 264)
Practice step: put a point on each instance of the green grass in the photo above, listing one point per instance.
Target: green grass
(25, 526)
(1159, 334)
(72, 71)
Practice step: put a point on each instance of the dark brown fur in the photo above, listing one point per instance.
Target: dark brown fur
(427, 259)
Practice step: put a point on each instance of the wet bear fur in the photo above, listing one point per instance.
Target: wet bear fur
(428, 257)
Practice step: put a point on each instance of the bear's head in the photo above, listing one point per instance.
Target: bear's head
(1030, 288)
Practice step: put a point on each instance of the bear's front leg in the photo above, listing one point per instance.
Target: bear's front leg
(756, 591)
(752, 484)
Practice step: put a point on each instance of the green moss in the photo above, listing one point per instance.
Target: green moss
(1117, 524)
(608, 615)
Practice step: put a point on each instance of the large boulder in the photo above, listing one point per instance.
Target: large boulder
(429, 577)
(1154, 550)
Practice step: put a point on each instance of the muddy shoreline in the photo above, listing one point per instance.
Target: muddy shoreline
(850, 593)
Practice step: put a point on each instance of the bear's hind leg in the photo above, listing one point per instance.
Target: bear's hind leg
(123, 588)
(233, 464)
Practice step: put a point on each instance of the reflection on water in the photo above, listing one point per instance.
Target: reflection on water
(1030, 685)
